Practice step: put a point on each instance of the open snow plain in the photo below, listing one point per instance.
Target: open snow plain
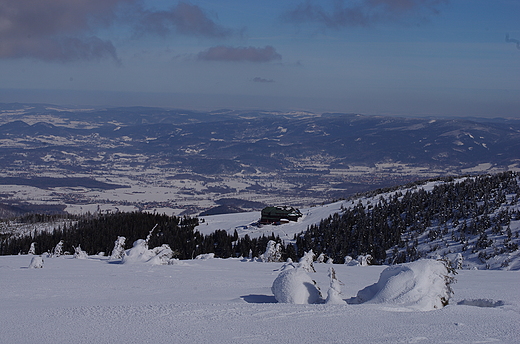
(95, 300)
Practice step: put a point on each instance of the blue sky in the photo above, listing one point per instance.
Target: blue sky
(390, 57)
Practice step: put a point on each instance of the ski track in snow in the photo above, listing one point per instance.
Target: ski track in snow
(219, 301)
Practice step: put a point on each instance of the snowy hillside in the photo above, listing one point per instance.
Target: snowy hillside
(474, 221)
(95, 300)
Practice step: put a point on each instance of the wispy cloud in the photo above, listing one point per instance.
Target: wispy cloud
(513, 40)
(262, 80)
(250, 54)
(65, 30)
(184, 18)
(341, 14)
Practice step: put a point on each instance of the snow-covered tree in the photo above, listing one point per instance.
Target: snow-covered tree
(334, 293)
(321, 258)
(58, 249)
(32, 249)
(119, 248)
(273, 252)
(306, 262)
(421, 285)
(364, 260)
(295, 286)
(458, 261)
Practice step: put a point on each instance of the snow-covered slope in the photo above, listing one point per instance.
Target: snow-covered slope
(474, 221)
(246, 223)
(230, 301)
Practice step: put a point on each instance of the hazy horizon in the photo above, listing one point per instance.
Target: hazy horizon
(375, 57)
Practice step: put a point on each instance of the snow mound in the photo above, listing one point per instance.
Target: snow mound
(36, 262)
(206, 256)
(295, 286)
(481, 303)
(421, 285)
(140, 253)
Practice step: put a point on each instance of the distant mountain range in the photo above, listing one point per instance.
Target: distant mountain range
(310, 152)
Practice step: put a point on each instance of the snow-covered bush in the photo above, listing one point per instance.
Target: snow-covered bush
(321, 258)
(273, 252)
(36, 263)
(140, 253)
(334, 293)
(306, 262)
(79, 253)
(350, 261)
(58, 250)
(119, 248)
(162, 255)
(421, 285)
(364, 260)
(295, 286)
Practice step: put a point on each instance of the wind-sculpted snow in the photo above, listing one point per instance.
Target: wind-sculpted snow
(295, 286)
(96, 300)
(420, 285)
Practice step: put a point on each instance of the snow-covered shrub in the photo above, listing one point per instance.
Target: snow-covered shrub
(350, 261)
(334, 293)
(36, 263)
(321, 258)
(205, 256)
(273, 252)
(140, 253)
(306, 262)
(421, 285)
(295, 286)
(79, 253)
(58, 250)
(119, 248)
(364, 260)
(32, 249)
(162, 255)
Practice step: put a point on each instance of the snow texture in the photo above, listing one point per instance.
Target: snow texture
(97, 300)
(420, 285)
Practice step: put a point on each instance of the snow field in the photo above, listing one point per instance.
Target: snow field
(95, 300)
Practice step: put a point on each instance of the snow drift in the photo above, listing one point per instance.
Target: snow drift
(421, 285)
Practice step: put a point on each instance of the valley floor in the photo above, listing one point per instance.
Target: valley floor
(230, 301)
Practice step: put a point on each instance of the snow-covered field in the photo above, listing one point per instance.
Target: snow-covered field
(95, 300)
